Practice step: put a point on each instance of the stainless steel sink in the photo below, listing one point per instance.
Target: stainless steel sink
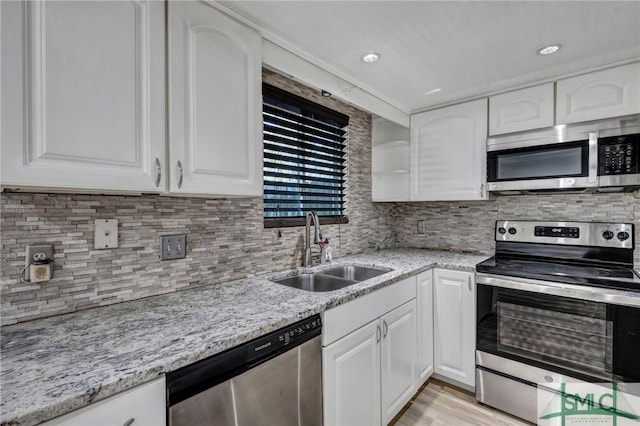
(356, 273)
(331, 279)
(315, 282)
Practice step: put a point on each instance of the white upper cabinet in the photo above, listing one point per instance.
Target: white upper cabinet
(608, 93)
(448, 153)
(526, 109)
(83, 98)
(215, 113)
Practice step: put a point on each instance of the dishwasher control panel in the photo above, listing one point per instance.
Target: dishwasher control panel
(298, 333)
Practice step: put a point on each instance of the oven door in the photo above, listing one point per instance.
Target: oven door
(544, 165)
(585, 339)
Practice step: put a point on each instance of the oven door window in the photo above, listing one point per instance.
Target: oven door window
(549, 331)
(539, 162)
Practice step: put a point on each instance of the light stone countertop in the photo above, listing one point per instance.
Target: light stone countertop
(55, 365)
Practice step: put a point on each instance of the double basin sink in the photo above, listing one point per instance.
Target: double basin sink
(332, 279)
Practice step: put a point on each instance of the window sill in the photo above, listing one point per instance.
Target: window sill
(300, 221)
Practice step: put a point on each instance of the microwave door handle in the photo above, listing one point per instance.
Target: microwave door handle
(593, 157)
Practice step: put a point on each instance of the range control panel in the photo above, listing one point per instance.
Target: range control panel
(557, 231)
(595, 234)
(619, 155)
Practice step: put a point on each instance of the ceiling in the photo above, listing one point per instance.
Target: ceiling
(465, 48)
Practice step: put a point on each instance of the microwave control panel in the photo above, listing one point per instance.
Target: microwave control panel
(619, 155)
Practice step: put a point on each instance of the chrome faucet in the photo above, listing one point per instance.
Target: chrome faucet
(317, 236)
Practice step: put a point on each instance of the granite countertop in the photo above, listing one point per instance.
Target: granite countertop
(56, 365)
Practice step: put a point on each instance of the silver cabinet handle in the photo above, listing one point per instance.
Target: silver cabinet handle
(180, 175)
(385, 328)
(378, 333)
(481, 190)
(158, 172)
(469, 284)
(129, 422)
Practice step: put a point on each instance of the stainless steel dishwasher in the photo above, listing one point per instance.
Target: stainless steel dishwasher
(275, 379)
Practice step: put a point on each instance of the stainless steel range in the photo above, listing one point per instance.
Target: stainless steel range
(559, 302)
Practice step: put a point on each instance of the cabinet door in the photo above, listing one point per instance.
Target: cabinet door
(83, 104)
(145, 405)
(602, 94)
(454, 325)
(215, 102)
(351, 378)
(399, 358)
(448, 153)
(425, 326)
(526, 109)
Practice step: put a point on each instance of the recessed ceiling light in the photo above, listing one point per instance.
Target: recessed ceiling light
(548, 50)
(370, 57)
(432, 91)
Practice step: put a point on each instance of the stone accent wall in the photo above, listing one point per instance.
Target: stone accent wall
(225, 237)
(469, 226)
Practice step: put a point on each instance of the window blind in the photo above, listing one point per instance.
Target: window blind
(304, 158)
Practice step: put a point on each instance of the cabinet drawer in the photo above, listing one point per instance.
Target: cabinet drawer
(145, 404)
(343, 319)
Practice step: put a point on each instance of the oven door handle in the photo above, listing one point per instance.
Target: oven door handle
(595, 294)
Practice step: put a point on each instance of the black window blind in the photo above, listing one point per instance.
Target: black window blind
(304, 158)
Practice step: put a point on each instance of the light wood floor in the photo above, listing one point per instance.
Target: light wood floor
(440, 404)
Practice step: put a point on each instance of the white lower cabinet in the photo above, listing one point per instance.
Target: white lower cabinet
(454, 325)
(351, 370)
(142, 405)
(424, 316)
(398, 359)
(369, 370)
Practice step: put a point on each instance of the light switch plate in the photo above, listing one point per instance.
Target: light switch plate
(106, 234)
(173, 247)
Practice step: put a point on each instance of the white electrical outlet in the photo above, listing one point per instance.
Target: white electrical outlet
(105, 234)
(38, 263)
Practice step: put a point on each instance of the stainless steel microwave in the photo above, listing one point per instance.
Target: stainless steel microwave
(599, 155)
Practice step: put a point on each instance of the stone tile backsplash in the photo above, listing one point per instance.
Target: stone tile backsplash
(226, 238)
(469, 226)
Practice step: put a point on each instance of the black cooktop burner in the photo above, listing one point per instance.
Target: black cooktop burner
(608, 276)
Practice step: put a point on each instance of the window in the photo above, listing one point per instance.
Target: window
(305, 160)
